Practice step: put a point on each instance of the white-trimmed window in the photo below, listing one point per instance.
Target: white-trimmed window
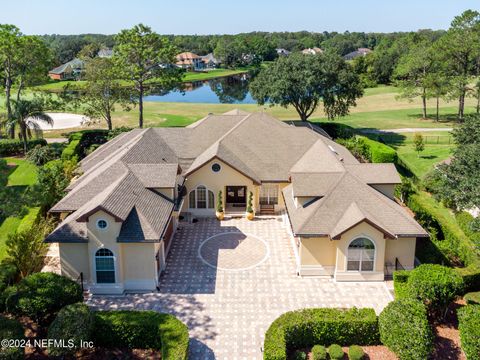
(105, 266)
(269, 194)
(201, 198)
(361, 255)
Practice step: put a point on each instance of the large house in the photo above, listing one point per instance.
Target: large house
(120, 216)
(312, 51)
(68, 71)
(357, 53)
(189, 60)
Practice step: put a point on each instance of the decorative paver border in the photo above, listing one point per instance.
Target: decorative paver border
(267, 252)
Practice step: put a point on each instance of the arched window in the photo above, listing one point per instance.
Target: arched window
(361, 255)
(105, 266)
(201, 198)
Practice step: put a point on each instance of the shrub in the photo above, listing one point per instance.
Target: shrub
(40, 155)
(472, 298)
(470, 276)
(469, 327)
(357, 147)
(71, 150)
(142, 330)
(304, 328)
(435, 285)
(51, 184)
(74, 322)
(337, 130)
(404, 328)
(380, 153)
(13, 147)
(42, 295)
(117, 131)
(219, 202)
(11, 329)
(299, 355)
(319, 352)
(27, 249)
(335, 352)
(400, 283)
(467, 223)
(355, 352)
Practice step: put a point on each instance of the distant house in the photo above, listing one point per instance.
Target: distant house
(357, 53)
(282, 52)
(210, 61)
(312, 51)
(105, 53)
(191, 61)
(68, 71)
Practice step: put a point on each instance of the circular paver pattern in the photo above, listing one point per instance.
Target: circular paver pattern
(233, 251)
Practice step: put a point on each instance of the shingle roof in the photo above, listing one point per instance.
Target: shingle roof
(375, 173)
(328, 215)
(74, 64)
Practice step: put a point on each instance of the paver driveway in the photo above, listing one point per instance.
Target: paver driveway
(229, 310)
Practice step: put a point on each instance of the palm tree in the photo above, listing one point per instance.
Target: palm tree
(26, 114)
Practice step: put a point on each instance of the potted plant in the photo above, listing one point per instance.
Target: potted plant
(219, 213)
(250, 213)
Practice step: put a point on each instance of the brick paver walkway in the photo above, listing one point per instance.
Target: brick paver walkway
(228, 311)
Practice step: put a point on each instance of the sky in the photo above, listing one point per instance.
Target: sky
(230, 17)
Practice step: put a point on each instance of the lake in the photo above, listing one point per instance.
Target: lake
(224, 90)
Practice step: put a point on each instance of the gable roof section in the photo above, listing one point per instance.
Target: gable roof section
(374, 174)
(326, 217)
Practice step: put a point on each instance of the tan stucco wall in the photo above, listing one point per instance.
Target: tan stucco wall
(321, 256)
(104, 239)
(139, 266)
(386, 189)
(403, 249)
(74, 260)
(168, 192)
(216, 181)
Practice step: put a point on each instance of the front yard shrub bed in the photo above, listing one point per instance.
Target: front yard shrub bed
(13, 147)
(142, 330)
(469, 326)
(74, 322)
(11, 329)
(308, 327)
(41, 295)
(319, 352)
(404, 328)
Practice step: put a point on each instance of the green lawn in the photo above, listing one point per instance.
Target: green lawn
(21, 175)
(25, 173)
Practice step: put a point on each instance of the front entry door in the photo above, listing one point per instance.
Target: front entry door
(236, 195)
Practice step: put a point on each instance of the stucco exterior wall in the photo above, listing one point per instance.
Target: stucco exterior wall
(403, 249)
(139, 266)
(317, 256)
(215, 181)
(106, 238)
(74, 260)
(386, 189)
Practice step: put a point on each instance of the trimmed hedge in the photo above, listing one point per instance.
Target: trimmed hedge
(81, 141)
(335, 352)
(355, 352)
(71, 150)
(42, 295)
(380, 153)
(404, 328)
(469, 326)
(472, 298)
(142, 330)
(465, 220)
(13, 147)
(73, 323)
(11, 329)
(447, 243)
(337, 130)
(305, 328)
(400, 283)
(319, 352)
(435, 285)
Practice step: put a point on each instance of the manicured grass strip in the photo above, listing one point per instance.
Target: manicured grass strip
(421, 164)
(9, 226)
(25, 174)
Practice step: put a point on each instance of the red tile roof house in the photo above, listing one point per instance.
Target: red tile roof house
(120, 216)
(191, 61)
